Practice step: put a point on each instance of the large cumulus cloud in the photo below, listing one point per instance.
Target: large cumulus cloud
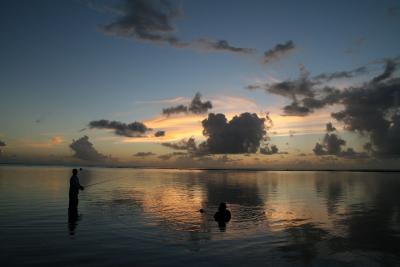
(246, 133)
(242, 134)
(84, 150)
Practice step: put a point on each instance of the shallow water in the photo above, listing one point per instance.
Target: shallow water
(138, 217)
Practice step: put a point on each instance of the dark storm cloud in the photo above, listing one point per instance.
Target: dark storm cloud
(85, 150)
(153, 21)
(341, 74)
(134, 129)
(159, 133)
(374, 110)
(195, 107)
(278, 51)
(242, 134)
(143, 154)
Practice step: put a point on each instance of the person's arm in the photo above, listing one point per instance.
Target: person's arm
(79, 184)
(228, 216)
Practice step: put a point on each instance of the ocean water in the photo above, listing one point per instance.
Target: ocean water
(144, 217)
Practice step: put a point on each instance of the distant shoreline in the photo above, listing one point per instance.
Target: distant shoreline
(198, 169)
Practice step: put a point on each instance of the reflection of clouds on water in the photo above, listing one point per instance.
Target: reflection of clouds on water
(306, 218)
(375, 227)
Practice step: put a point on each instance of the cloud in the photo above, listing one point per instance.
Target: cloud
(175, 110)
(332, 145)
(330, 127)
(196, 106)
(242, 134)
(278, 51)
(327, 77)
(144, 154)
(306, 94)
(291, 89)
(373, 109)
(134, 129)
(269, 150)
(84, 150)
(171, 155)
(294, 109)
(221, 45)
(390, 68)
(145, 20)
(184, 144)
(153, 21)
(159, 133)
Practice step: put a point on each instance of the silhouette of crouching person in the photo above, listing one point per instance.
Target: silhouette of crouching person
(222, 216)
(74, 187)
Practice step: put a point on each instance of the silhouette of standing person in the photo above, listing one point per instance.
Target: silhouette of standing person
(74, 187)
(222, 216)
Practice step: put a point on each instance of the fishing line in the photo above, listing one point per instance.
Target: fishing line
(105, 181)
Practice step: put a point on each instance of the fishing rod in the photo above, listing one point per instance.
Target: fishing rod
(102, 182)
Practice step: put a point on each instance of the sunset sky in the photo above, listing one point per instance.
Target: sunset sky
(210, 84)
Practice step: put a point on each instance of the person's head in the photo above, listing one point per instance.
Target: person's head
(222, 206)
(74, 171)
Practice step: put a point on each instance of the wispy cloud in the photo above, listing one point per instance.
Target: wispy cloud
(154, 21)
(278, 51)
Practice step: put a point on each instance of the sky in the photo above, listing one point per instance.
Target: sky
(201, 84)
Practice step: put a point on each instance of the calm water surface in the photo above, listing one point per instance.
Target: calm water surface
(135, 217)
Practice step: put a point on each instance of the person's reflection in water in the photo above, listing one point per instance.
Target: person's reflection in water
(73, 219)
(222, 216)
